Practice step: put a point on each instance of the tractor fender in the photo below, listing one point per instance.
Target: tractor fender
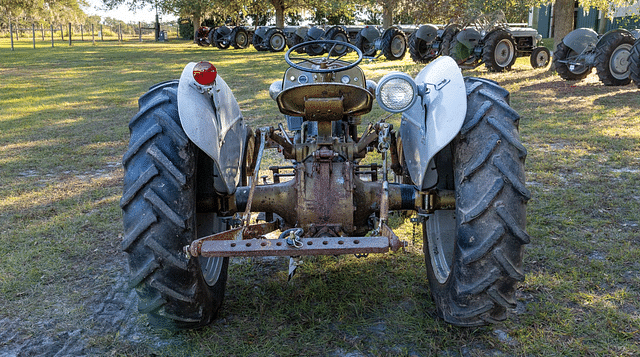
(434, 119)
(371, 33)
(610, 33)
(212, 120)
(579, 39)
(223, 30)
(469, 37)
(427, 33)
(302, 31)
(261, 31)
(315, 33)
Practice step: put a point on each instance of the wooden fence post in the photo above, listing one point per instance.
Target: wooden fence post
(51, 35)
(139, 31)
(61, 33)
(33, 33)
(42, 29)
(119, 33)
(69, 33)
(93, 36)
(101, 34)
(81, 32)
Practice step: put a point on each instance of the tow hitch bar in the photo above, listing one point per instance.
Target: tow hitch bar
(246, 242)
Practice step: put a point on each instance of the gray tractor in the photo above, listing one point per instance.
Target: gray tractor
(392, 42)
(266, 38)
(582, 49)
(192, 182)
(489, 39)
(223, 37)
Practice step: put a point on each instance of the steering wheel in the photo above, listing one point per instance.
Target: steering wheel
(288, 58)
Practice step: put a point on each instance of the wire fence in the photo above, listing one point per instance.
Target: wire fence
(49, 35)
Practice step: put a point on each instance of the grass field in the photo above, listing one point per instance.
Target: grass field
(63, 131)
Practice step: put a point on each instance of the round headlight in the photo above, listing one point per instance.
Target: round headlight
(396, 92)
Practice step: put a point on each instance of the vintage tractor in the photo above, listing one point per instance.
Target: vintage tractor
(392, 42)
(634, 70)
(424, 44)
(489, 39)
(266, 38)
(223, 37)
(191, 183)
(316, 33)
(582, 49)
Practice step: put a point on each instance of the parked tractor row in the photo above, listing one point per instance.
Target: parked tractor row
(483, 39)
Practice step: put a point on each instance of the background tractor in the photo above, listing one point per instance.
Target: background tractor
(489, 39)
(192, 187)
(582, 49)
(392, 42)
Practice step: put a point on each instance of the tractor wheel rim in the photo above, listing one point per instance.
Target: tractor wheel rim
(397, 46)
(504, 53)
(542, 59)
(211, 268)
(276, 41)
(241, 39)
(441, 234)
(619, 62)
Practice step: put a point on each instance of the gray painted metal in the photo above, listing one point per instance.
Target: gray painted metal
(469, 37)
(211, 118)
(427, 33)
(435, 118)
(578, 40)
(371, 33)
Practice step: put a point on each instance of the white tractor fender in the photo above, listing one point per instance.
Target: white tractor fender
(434, 119)
(211, 118)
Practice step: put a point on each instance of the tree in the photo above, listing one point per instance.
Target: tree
(563, 19)
(52, 11)
(564, 13)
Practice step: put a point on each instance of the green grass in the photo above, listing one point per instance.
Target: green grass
(63, 130)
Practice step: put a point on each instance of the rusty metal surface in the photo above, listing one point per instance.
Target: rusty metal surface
(310, 246)
(236, 234)
(355, 100)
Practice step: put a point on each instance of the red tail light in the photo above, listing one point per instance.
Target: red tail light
(204, 73)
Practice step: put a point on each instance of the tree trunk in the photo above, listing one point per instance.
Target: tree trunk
(278, 5)
(197, 20)
(563, 19)
(280, 17)
(387, 14)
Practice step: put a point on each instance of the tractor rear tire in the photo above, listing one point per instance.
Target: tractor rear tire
(448, 35)
(499, 51)
(159, 216)
(239, 38)
(313, 50)
(337, 33)
(420, 50)
(394, 44)
(474, 252)
(367, 47)
(635, 63)
(276, 40)
(565, 71)
(612, 59)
